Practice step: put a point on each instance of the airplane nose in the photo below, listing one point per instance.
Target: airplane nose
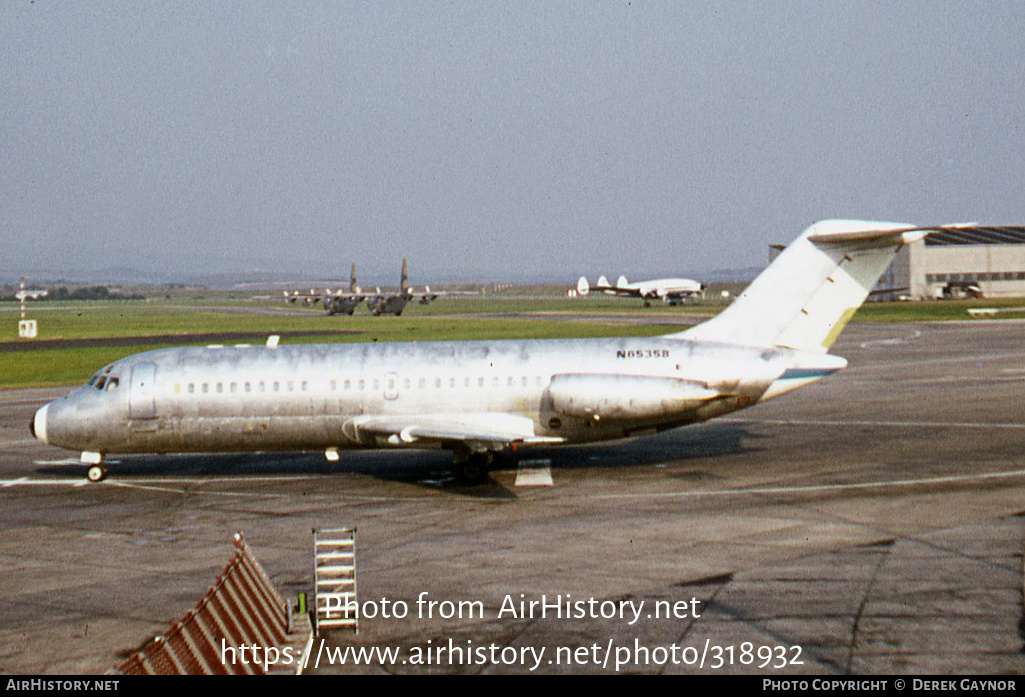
(38, 425)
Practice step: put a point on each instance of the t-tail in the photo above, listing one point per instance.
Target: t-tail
(807, 295)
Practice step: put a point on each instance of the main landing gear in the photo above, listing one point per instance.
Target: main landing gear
(473, 467)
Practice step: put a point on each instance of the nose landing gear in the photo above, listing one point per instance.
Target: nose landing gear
(96, 472)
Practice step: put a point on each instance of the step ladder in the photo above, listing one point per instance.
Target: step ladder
(334, 578)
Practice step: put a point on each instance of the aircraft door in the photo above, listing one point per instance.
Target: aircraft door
(141, 392)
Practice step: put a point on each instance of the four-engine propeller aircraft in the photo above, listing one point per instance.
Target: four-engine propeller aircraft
(335, 302)
(669, 290)
(479, 399)
(394, 303)
(342, 302)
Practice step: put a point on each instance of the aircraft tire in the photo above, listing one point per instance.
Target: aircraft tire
(96, 473)
(474, 469)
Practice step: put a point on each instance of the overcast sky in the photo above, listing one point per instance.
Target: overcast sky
(490, 140)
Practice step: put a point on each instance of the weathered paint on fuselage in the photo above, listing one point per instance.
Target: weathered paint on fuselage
(255, 398)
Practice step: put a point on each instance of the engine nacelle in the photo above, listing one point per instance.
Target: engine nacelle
(601, 396)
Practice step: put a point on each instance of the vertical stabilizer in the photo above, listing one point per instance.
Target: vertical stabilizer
(405, 277)
(353, 288)
(810, 291)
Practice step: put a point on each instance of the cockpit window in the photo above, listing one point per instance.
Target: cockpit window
(100, 379)
(112, 384)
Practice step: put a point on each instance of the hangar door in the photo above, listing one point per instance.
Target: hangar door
(140, 391)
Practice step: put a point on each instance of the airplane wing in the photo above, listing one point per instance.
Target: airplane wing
(492, 430)
(426, 297)
(334, 300)
(315, 296)
(615, 290)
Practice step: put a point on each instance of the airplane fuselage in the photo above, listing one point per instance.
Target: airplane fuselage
(388, 304)
(479, 399)
(343, 304)
(664, 287)
(308, 397)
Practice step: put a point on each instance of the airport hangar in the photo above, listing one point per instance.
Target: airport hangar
(951, 262)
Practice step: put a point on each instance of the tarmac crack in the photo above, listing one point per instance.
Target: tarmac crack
(855, 626)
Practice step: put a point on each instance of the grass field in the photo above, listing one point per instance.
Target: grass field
(448, 319)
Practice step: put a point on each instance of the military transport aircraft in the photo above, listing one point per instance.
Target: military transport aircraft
(479, 399)
(669, 290)
(394, 303)
(387, 303)
(335, 302)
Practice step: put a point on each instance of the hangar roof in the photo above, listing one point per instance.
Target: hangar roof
(977, 235)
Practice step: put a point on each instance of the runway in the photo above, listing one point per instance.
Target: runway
(869, 524)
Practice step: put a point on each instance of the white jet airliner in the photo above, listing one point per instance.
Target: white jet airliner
(479, 399)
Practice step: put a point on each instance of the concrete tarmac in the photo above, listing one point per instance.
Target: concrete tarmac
(869, 524)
